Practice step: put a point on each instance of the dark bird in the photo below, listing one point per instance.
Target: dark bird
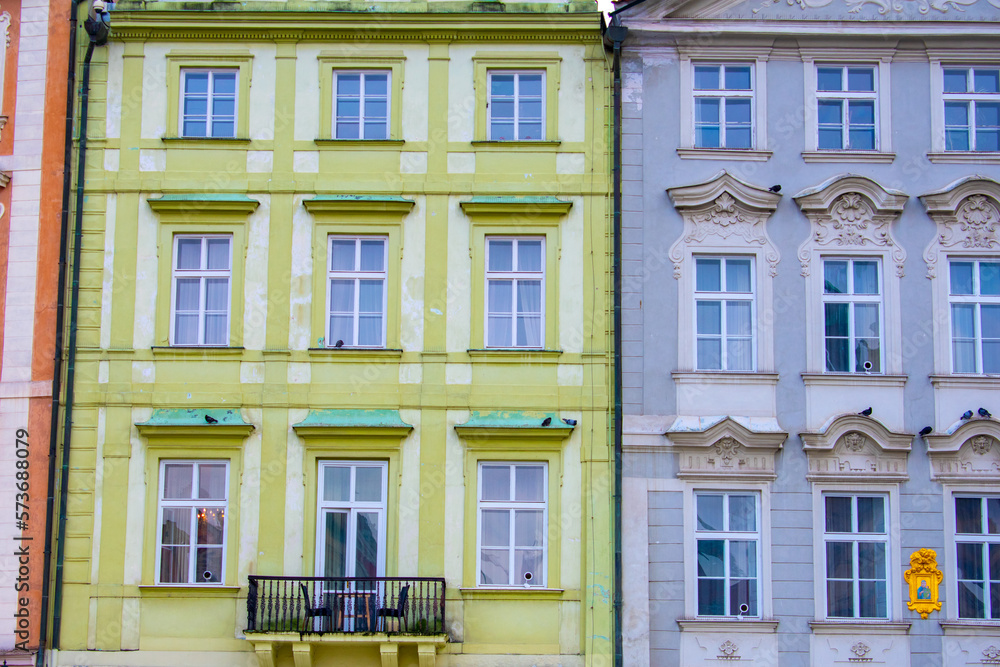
(983, 412)
(775, 188)
(210, 419)
(967, 415)
(926, 430)
(867, 412)
(569, 422)
(546, 421)
(339, 343)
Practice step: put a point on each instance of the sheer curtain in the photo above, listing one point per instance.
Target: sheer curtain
(529, 313)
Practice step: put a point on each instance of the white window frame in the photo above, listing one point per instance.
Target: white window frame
(724, 297)
(194, 504)
(727, 535)
(351, 507)
(845, 97)
(357, 275)
(362, 97)
(517, 73)
(976, 299)
(854, 299)
(971, 99)
(723, 94)
(985, 539)
(514, 276)
(203, 274)
(210, 97)
(854, 537)
(539, 580)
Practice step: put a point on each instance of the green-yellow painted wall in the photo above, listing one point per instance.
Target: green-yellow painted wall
(434, 373)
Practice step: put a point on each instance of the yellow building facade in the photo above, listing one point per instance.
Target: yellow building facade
(342, 380)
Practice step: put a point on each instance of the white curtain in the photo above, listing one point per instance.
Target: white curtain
(529, 313)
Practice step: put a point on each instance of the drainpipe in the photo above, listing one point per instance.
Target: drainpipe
(616, 32)
(97, 27)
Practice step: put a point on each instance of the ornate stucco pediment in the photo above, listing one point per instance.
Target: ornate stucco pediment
(724, 213)
(726, 448)
(851, 212)
(967, 214)
(970, 453)
(855, 447)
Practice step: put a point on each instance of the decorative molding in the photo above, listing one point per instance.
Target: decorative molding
(727, 154)
(729, 650)
(967, 214)
(731, 212)
(964, 157)
(969, 453)
(885, 6)
(868, 157)
(856, 448)
(724, 450)
(860, 650)
(850, 212)
(728, 625)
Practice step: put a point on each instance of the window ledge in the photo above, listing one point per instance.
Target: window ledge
(350, 355)
(515, 355)
(350, 144)
(970, 627)
(724, 377)
(728, 624)
(518, 145)
(195, 352)
(205, 142)
(964, 157)
(853, 379)
(857, 626)
(188, 591)
(871, 157)
(748, 154)
(965, 381)
(512, 593)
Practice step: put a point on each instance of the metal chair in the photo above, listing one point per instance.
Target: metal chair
(311, 611)
(399, 611)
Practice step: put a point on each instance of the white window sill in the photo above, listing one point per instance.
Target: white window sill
(852, 626)
(189, 591)
(511, 593)
(871, 157)
(964, 157)
(970, 627)
(853, 379)
(724, 377)
(353, 144)
(746, 154)
(965, 381)
(728, 624)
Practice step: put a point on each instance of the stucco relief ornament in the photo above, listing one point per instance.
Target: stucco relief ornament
(981, 444)
(965, 220)
(884, 6)
(851, 217)
(860, 650)
(727, 449)
(728, 650)
(991, 655)
(978, 219)
(854, 441)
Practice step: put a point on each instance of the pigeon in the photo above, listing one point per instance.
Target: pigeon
(775, 188)
(546, 421)
(569, 422)
(867, 412)
(339, 343)
(210, 419)
(983, 412)
(926, 430)
(967, 415)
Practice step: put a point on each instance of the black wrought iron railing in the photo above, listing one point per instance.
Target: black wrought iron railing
(405, 605)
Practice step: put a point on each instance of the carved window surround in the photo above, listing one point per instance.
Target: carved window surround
(725, 449)
(970, 453)
(724, 216)
(851, 215)
(856, 448)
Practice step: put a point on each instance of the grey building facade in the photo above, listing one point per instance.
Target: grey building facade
(811, 332)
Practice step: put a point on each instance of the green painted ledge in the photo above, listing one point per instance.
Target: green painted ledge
(365, 423)
(189, 421)
(514, 424)
(358, 204)
(214, 202)
(537, 205)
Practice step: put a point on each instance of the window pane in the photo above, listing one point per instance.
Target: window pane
(707, 137)
(217, 294)
(838, 515)
(528, 528)
(529, 331)
(177, 480)
(530, 84)
(188, 294)
(342, 296)
(494, 567)
(211, 524)
(867, 356)
(711, 561)
(835, 277)
(991, 357)
(336, 483)
(372, 255)
(737, 112)
(831, 138)
(829, 78)
(710, 512)
(738, 318)
(866, 320)
(706, 110)
(711, 597)
(501, 255)
(969, 561)
(502, 84)
(742, 559)
(866, 277)
(706, 77)
(994, 565)
(174, 565)
(496, 483)
(528, 561)
(738, 275)
(839, 599)
(502, 131)
(529, 255)
(500, 296)
(529, 131)
(971, 603)
(871, 599)
(708, 275)
(341, 329)
(710, 354)
(956, 114)
(989, 278)
(738, 137)
(502, 109)
(208, 568)
(837, 355)
(186, 330)
(991, 321)
(963, 320)
(223, 128)
(955, 80)
(529, 297)
(370, 296)
(737, 78)
(839, 560)
(993, 516)
(836, 320)
(529, 483)
(218, 253)
(368, 484)
(861, 112)
(370, 330)
(861, 79)
(862, 139)
(969, 516)
(709, 317)
(986, 80)
(366, 545)
(176, 526)
(739, 354)
(196, 82)
(871, 560)
(743, 591)
(335, 542)
(961, 277)
(956, 140)
(342, 254)
(196, 107)
(496, 528)
(499, 332)
(212, 481)
(829, 112)
(188, 253)
(742, 513)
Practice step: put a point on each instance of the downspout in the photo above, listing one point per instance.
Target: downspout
(58, 351)
(616, 32)
(96, 26)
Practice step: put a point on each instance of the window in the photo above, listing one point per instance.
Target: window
(852, 307)
(201, 286)
(724, 307)
(357, 288)
(723, 106)
(512, 524)
(515, 291)
(362, 104)
(856, 546)
(977, 547)
(728, 543)
(516, 105)
(975, 316)
(351, 519)
(846, 108)
(209, 103)
(192, 519)
(972, 109)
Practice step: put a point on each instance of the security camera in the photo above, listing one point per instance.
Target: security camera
(206, 575)
(868, 366)
(99, 6)
(527, 579)
(744, 608)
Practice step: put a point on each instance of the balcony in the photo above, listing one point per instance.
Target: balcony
(316, 614)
